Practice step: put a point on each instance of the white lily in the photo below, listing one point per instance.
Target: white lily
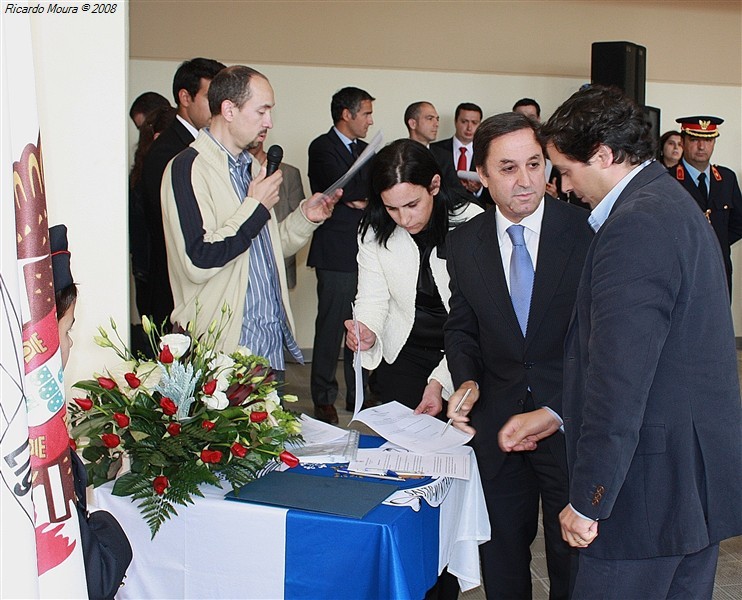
(223, 367)
(177, 342)
(217, 401)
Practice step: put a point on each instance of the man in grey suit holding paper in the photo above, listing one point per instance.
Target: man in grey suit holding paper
(651, 393)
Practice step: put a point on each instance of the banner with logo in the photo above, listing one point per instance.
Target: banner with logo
(38, 493)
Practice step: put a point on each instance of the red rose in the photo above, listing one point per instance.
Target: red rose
(238, 450)
(211, 456)
(208, 425)
(110, 440)
(288, 459)
(106, 383)
(210, 387)
(166, 357)
(84, 403)
(168, 406)
(160, 484)
(258, 416)
(132, 380)
(121, 419)
(73, 444)
(173, 429)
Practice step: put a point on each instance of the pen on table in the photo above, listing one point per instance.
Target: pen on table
(389, 475)
(457, 409)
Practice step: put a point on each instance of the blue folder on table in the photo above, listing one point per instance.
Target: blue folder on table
(331, 495)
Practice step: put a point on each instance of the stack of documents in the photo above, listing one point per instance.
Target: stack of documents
(324, 443)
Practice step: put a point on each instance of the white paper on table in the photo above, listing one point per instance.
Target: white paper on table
(323, 443)
(357, 368)
(319, 432)
(417, 433)
(365, 156)
(410, 463)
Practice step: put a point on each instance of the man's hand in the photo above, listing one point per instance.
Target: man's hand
(357, 204)
(461, 418)
(432, 402)
(368, 337)
(524, 430)
(265, 189)
(319, 207)
(551, 188)
(471, 186)
(576, 531)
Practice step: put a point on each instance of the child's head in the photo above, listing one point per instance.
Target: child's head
(65, 290)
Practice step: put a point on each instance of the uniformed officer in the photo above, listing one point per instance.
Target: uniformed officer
(714, 187)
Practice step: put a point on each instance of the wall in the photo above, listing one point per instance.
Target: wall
(302, 112)
(81, 64)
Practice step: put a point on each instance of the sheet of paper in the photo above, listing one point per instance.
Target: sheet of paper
(324, 443)
(469, 176)
(411, 463)
(365, 156)
(318, 432)
(416, 433)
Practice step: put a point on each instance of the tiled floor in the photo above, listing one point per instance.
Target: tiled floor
(728, 574)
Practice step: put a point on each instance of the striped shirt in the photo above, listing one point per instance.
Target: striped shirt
(264, 324)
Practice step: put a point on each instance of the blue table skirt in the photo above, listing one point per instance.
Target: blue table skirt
(392, 553)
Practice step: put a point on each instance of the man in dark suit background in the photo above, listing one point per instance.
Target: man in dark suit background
(335, 244)
(651, 393)
(504, 343)
(190, 90)
(718, 196)
(422, 119)
(459, 149)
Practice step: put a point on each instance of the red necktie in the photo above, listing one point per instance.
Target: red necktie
(461, 165)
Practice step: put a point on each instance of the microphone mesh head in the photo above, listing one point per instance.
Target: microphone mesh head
(275, 153)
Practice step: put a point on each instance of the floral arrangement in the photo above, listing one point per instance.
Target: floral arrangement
(193, 416)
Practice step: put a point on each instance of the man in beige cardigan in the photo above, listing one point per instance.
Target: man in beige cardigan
(223, 239)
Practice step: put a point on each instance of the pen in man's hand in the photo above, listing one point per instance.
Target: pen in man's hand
(457, 409)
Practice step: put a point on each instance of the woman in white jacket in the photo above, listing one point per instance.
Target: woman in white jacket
(402, 298)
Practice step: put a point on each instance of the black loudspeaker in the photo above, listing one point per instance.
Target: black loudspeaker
(623, 64)
(652, 116)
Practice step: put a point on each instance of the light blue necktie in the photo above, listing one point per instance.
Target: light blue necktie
(521, 276)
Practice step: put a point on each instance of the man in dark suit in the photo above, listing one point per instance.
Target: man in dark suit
(335, 244)
(422, 119)
(504, 342)
(459, 150)
(651, 393)
(717, 191)
(190, 90)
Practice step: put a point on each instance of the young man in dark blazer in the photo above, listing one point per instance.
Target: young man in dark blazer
(505, 344)
(459, 150)
(652, 410)
(335, 244)
(190, 89)
(719, 196)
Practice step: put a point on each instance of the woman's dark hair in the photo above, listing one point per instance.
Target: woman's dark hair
(155, 122)
(666, 136)
(407, 161)
(64, 299)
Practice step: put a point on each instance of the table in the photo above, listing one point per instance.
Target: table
(221, 549)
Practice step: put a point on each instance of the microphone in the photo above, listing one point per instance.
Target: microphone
(275, 156)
